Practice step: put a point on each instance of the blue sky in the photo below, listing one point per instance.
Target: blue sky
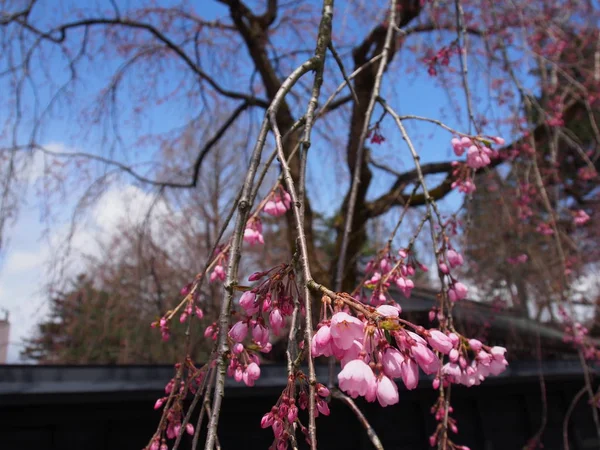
(32, 241)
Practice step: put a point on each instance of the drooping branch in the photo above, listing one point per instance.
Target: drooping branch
(59, 34)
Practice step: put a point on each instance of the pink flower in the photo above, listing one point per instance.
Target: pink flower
(545, 229)
(238, 348)
(440, 341)
(292, 413)
(322, 390)
(498, 352)
(475, 344)
(466, 186)
(581, 217)
(357, 378)
(267, 420)
(239, 331)
(260, 334)
(455, 259)
(410, 373)
(253, 232)
(389, 310)
(453, 355)
(452, 370)
(392, 360)
(345, 356)
(218, 273)
(345, 329)
(405, 285)
(248, 302)
(278, 204)
(159, 403)
(271, 208)
(323, 407)
(276, 321)
(387, 391)
(321, 342)
(253, 371)
(459, 145)
(457, 292)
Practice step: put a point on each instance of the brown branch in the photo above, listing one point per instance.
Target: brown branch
(337, 394)
(59, 34)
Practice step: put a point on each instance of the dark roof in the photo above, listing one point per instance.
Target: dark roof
(24, 380)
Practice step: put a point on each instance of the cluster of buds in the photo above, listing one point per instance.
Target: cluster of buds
(175, 394)
(278, 203)
(220, 262)
(284, 414)
(375, 135)
(580, 217)
(452, 259)
(244, 365)
(544, 229)
(577, 334)
(370, 361)
(164, 322)
(471, 362)
(525, 195)
(516, 260)
(478, 154)
(463, 180)
(390, 269)
(440, 58)
(439, 412)
(262, 311)
(253, 232)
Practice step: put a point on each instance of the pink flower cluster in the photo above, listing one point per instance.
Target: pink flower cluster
(163, 322)
(389, 269)
(262, 311)
(520, 259)
(456, 290)
(279, 202)
(284, 414)
(253, 232)
(580, 217)
(370, 363)
(545, 229)
(440, 58)
(577, 334)
(478, 154)
(486, 361)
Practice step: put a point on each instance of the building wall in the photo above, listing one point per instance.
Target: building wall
(4, 338)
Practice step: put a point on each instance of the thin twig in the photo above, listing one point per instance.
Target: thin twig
(337, 394)
(361, 148)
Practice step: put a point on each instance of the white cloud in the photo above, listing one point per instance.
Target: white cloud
(20, 261)
(29, 260)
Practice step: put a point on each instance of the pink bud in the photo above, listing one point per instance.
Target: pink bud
(322, 390)
(239, 331)
(323, 407)
(475, 345)
(189, 428)
(440, 341)
(267, 420)
(238, 348)
(292, 414)
(276, 320)
(159, 403)
(453, 355)
(247, 301)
